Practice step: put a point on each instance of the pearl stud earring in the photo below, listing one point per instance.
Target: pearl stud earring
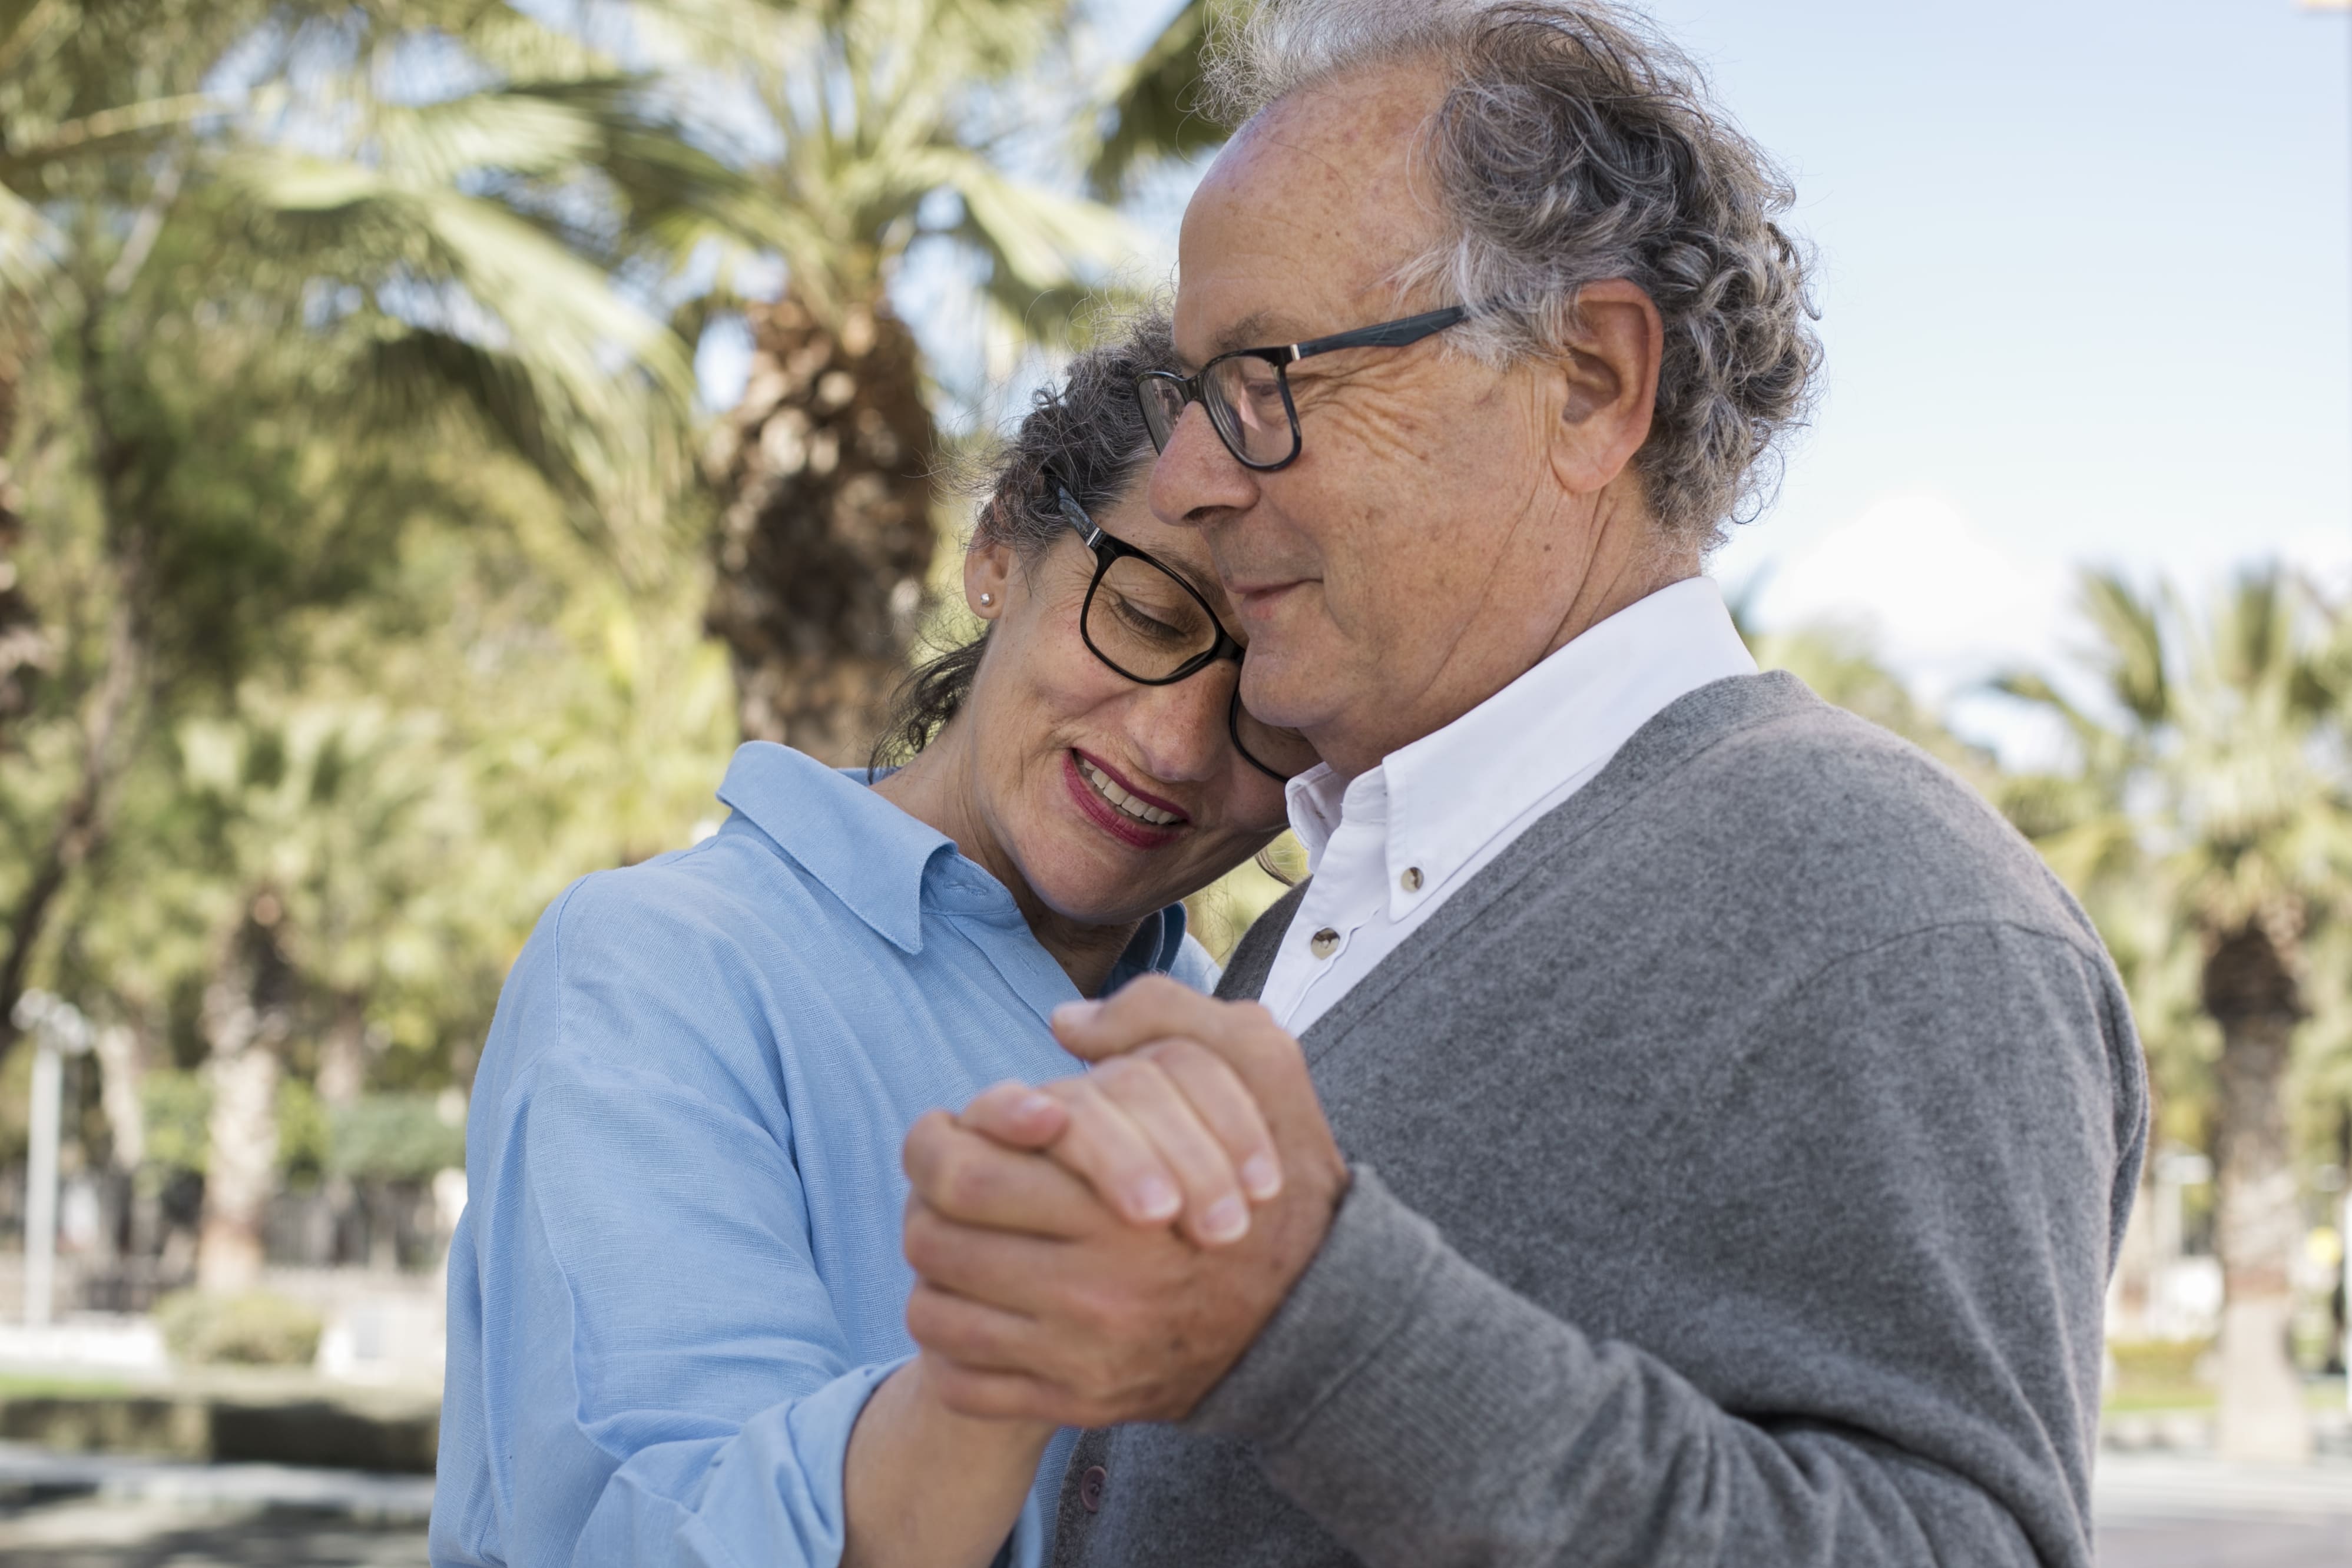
(986, 600)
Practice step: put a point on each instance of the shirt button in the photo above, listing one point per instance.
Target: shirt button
(1090, 1487)
(1324, 943)
(1411, 879)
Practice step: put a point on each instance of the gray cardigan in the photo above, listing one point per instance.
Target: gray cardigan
(1740, 1160)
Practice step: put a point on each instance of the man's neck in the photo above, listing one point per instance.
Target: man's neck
(1351, 755)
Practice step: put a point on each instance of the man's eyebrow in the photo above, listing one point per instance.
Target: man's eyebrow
(1258, 329)
(1254, 330)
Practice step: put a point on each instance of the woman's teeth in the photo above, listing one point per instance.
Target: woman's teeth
(1122, 799)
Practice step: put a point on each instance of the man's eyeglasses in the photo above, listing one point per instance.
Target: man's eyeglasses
(1247, 391)
(1150, 625)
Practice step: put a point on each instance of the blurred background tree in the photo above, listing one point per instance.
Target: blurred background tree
(369, 570)
(862, 132)
(2208, 825)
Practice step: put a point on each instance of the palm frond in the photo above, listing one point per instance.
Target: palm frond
(2131, 654)
(1152, 105)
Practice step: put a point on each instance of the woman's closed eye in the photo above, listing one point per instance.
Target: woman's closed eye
(1171, 625)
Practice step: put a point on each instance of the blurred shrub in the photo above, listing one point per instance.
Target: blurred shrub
(253, 1329)
(2161, 1374)
(394, 1137)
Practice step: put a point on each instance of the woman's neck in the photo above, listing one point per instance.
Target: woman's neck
(938, 790)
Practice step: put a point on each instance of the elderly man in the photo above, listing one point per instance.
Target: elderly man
(1738, 1122)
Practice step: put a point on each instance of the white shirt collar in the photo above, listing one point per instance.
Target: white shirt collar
(1446, 795)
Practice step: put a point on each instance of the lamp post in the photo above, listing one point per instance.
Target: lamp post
(59, 1030)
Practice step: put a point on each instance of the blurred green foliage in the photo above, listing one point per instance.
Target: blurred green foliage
(395, 1137)
(177, 1105)
(254, 1329)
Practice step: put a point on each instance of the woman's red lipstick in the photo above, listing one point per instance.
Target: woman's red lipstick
(1110, 819)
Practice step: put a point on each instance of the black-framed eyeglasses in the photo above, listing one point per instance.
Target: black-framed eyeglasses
(1148, 623)
(1247, 391)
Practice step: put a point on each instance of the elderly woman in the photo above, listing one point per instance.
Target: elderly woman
(676, 1302)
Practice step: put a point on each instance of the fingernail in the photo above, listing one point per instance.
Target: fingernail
(1262, 1177)
(1227, 1220)
(1036, 1107)
(1154, 1198)
(1075, 1013)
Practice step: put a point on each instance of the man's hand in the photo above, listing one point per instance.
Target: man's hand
(1034, 1299)
(1166, 1132)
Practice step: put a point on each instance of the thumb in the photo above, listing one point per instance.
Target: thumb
(1015, 1115)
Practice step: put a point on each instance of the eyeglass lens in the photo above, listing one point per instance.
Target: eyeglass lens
(1244, 396)
(1149, 625)
(1145, 624)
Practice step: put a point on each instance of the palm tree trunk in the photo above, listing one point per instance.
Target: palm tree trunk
(26, 650)
(826, 540)
(2252, 995)
(109, 713)
(247, 1014)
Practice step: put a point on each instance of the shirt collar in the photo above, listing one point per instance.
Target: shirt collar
(864, 850)
(1158, 942)
(879, 860)
(1443, 796)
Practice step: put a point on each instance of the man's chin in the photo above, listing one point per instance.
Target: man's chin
(1289, 688)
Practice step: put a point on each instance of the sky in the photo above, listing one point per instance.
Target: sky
(2084, 288)
(2085, 297)
(2085, 275)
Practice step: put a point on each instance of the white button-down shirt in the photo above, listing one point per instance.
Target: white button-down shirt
(1390, 846)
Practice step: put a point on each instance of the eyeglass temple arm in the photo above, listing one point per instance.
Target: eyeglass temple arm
(1076, 516)
(1387, 335)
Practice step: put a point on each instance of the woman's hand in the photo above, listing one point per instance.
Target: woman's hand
(1167, 1134)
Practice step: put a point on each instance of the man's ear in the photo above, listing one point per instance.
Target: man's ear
(987, 568)
(1607, 384)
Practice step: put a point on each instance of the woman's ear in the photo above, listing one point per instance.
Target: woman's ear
(987, 567)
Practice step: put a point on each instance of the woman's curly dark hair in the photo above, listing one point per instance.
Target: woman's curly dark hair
(1087, 431)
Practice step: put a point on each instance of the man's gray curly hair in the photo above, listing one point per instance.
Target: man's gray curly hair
(1576, 144)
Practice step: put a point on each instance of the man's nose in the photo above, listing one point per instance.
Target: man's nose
(1196, 479)
(1179, 731)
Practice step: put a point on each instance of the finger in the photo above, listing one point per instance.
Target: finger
(1015, 1115)
(1243, 1035)
(1231, 1112)
(969, 1176)
(994, 1396)
(1105, 1146)
(1006, 1269)
(1150, 1007)
(978, 1336)
(1215, 1212)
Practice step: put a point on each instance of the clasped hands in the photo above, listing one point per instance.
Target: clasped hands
(1103, 1247)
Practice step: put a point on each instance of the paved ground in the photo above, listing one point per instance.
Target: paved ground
(77, 1510)
(2167, 1511)
(93, 1512)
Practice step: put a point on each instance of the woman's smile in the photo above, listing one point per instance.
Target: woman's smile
(1143, 821)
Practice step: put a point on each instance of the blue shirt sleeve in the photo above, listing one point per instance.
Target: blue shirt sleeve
(656, 1373)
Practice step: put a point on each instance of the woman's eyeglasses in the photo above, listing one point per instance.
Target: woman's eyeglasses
(1154, 627)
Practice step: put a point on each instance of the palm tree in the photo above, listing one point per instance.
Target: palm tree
(2208, 826)
(372, 209)
(882, 126)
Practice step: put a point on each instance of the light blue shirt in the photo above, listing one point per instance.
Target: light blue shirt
(678, 1276)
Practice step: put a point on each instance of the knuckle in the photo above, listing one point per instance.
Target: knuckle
(963, 1183)
(920, 1154)
(922, 1239)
